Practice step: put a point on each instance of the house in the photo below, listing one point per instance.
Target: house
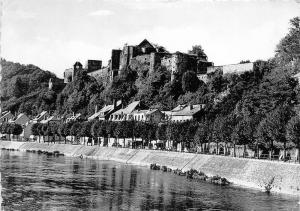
(152, 115)
(183, 113)
(74, 117)
(106, 111)
(168, 114)
(21, 119)
(125, 114)
(51, 119)
(6, 116)
(42, 116)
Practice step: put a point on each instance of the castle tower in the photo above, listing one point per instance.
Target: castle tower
(77, 66)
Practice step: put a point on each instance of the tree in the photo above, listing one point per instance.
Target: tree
(151, 132)
(128, 130)
(244, 61)
(190, 81)
(172, 133)
(201, 135)
(67, 129)
(54, 126)
(161, 132)
(85, 130)
(139, 132)
(35, 131)
(98, 130)
(75, 130)
(288, 48)
(243, 133)
(293, 132)
(217, 131)
(110, 128)
(277, 120)
(118, 131)
(61, 131)
(40, 131)
(123, 86)
(198, 50)
(263, 137)
(18, 90)
(45, 131)
(16, 129)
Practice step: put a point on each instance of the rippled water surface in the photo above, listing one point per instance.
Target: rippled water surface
(40, 182)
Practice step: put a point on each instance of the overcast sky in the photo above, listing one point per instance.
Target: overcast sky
(53, 34)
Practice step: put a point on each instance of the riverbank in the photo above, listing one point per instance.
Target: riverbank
(282, 177)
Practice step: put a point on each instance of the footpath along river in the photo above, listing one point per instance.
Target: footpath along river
(32, 181)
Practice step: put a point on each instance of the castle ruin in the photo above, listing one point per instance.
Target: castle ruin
(151, 55)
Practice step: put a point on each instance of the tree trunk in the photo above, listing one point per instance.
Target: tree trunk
(234, 152)
(244, 154)
(271, 150)
(284, 151)
(208, 147)
(298, 152)
(257, 151)
(217, 148)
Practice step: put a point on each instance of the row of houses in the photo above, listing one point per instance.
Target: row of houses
(27, 122)
(135, 111)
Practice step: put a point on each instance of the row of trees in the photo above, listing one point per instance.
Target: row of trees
(191, 134)
(175, 132)
(11, 129)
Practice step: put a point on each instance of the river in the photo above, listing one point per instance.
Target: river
(33, 181)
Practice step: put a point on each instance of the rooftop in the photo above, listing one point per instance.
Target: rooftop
(129, 109)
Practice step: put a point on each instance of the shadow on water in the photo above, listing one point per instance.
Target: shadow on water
(40, 182)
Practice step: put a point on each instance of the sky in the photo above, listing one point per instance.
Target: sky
(53, 34)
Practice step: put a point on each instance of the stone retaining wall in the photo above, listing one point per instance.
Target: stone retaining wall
(246, 172)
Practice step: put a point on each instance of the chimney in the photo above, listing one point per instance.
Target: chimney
(96, 108)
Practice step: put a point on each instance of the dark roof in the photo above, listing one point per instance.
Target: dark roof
(145, 42)
(78, 63)
(129, 109)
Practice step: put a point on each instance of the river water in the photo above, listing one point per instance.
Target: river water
(39, 182)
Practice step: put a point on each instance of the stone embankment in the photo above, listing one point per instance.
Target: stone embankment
(262, 174)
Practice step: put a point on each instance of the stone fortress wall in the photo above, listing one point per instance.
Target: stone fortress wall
(250, 173)
(232, 68)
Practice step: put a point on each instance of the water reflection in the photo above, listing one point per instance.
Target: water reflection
(39, 182)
